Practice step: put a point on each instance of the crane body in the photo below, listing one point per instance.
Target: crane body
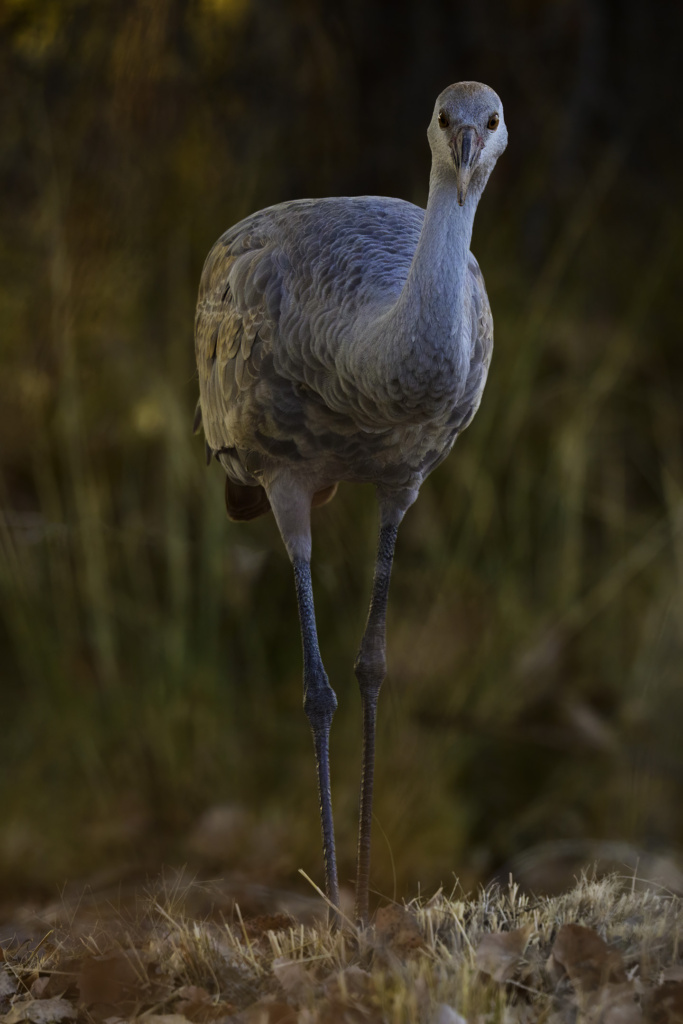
(349, 339)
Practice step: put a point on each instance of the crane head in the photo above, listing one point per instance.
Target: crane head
(467, 134)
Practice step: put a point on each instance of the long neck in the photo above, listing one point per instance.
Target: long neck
(434, 290)
(422, 339)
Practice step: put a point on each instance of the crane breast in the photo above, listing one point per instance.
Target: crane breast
(279, 295)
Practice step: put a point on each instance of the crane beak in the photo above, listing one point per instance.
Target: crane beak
(465, 147)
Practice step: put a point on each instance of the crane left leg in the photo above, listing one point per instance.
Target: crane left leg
(370, 669)
(292, 507)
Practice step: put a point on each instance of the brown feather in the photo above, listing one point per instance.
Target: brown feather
(322, 497)
(244, 503)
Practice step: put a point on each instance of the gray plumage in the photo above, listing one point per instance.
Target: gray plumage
(349, 339)
(281, 298)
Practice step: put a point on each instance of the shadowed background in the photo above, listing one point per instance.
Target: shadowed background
(149, 649)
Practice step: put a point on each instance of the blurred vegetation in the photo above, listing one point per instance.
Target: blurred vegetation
(149, 649)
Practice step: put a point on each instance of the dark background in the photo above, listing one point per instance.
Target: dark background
(149, 649)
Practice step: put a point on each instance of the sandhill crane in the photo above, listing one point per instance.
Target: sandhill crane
(349, 339)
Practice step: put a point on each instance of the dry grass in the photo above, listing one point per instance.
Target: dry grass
(608, 949)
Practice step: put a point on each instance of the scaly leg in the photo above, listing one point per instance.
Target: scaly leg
(370, 669)
(291, 504)
(320, 703)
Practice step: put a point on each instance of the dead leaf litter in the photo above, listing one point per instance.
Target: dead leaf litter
(600, 954)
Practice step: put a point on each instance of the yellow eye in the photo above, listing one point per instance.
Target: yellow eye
(493, 122)
(443, 119)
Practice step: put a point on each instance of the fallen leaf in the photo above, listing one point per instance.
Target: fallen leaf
(203, 1011)
(614, 1004)
(295, 979)
(193, 993)
(110, 978)
(666, 1004)
(165, 1018)
(351, 984)
(63, 982)
(256, 927)
(500, 954)
(343, 1013)
(8, 984)
(40, 1011)
(597, 973)
(587, 959)
(265, 1012)
(396, 928)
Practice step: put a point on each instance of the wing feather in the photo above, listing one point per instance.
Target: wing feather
(272, 294)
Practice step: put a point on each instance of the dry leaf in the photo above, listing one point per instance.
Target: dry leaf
(204, 1011)
(351, 984)
(257, 927)
(165, 1018)
(193, 993)
(343, 1013)
(666, 1006)
(38, 987)
(597, 973)
(613, 1004)
(40, 1011)
(398, 929)
(295, 979)
(587, 959)
(196, 1005)
(500, 954)
(8, 984)
(110, 979)
(64, 981)
(265, 1012)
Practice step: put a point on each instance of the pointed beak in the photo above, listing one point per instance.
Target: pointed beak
(466, 147)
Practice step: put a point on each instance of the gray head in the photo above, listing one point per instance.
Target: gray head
(467, 134)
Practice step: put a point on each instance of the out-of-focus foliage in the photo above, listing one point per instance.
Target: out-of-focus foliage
(149, 649)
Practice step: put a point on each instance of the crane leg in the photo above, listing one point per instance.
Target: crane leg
(370, 669)
(320, 703)
(291, 504)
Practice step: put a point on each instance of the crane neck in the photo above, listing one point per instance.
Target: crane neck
(426, 337)
(437, 280)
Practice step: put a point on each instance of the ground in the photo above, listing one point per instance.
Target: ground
(606, 952)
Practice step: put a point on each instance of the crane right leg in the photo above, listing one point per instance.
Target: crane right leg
(320, 703)
(292, 508)
(370, 671)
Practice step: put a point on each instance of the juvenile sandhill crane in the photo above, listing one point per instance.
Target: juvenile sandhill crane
(349, 340)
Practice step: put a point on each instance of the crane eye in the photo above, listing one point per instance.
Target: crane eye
(493, 122)
(443, 119)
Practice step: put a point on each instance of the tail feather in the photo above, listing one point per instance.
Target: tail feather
(197, 416)
(244, 503)
(322, 497)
